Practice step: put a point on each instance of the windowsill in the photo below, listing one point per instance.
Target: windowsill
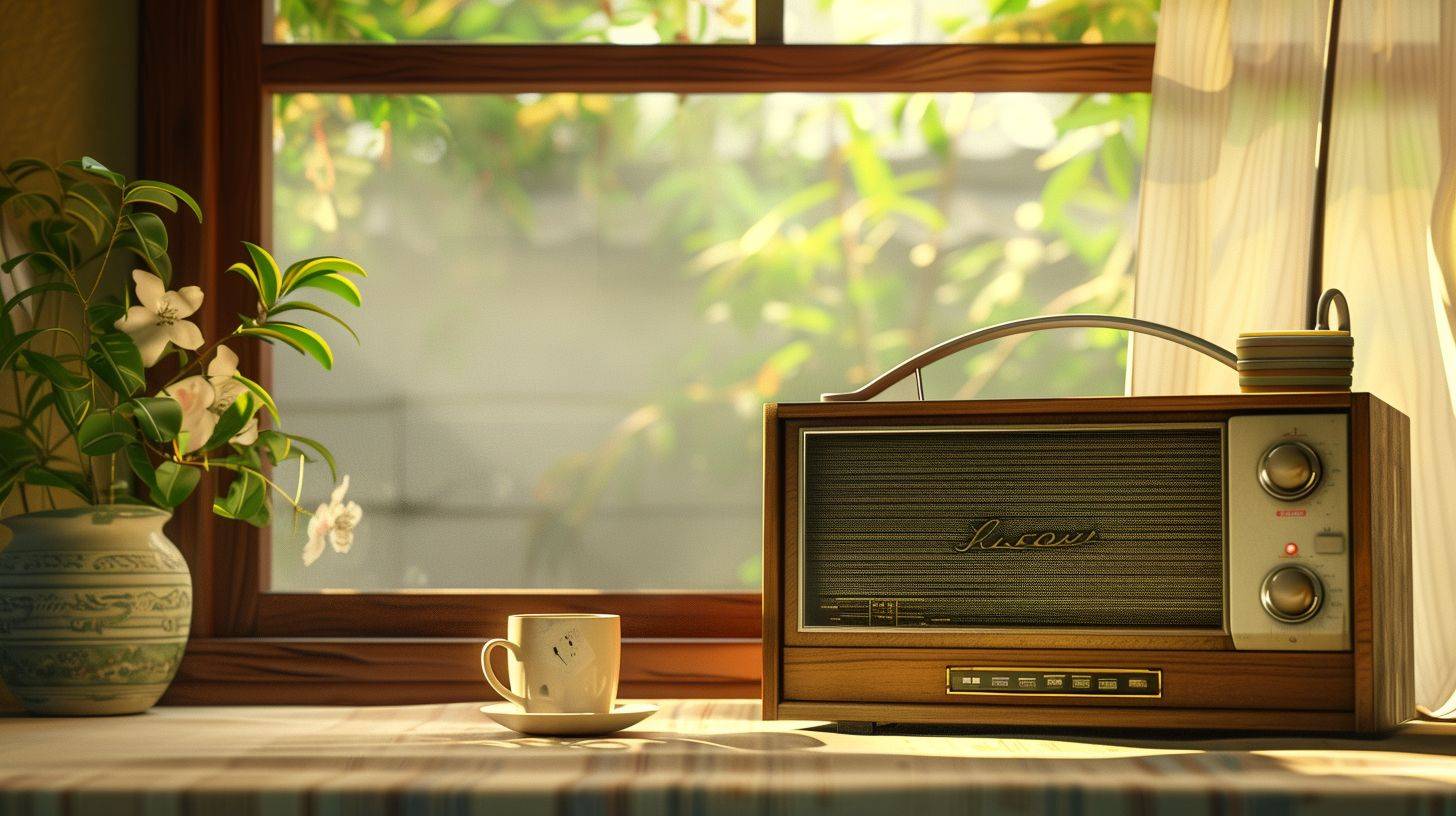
(403, 671)
(716, 752)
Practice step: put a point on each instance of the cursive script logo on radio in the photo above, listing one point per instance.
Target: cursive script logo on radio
(984, 536)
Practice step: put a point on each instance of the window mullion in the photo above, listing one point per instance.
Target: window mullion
(768, 22)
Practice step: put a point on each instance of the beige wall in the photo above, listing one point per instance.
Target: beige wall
(68, 80)
(68, 75)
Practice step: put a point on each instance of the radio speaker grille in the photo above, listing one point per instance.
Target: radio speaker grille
(1084, 527)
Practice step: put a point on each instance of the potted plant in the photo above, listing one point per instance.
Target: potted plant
(121, 405)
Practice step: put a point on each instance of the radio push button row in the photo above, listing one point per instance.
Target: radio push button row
(1292, 594)
(1289, 471)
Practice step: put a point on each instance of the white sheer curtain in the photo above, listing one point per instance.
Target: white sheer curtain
(1225, 226)
(1389, 247)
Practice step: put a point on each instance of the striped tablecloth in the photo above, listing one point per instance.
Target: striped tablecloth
(695, 756)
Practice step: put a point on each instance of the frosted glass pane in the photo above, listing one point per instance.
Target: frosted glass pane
(982, 21)
(621, 22)
(578, 304)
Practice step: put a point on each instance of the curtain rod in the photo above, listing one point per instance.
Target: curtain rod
(1322, 167)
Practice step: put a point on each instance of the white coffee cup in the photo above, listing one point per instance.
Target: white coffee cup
(560, 664)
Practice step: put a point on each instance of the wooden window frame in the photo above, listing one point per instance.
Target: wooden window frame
(205, 77)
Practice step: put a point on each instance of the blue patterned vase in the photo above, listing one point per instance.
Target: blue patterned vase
(95, 606)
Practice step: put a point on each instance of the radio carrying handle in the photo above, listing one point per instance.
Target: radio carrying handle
(912, 366)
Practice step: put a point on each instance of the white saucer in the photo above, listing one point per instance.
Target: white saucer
(568, 725)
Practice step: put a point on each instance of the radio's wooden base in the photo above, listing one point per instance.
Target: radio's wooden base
(1254, 681)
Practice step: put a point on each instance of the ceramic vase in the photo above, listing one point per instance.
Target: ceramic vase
(95, 606)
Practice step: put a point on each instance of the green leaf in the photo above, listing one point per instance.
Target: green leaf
(933, 129)
(316, 267)
(1004, 8)
(151, 195)
(160, 418)
(1119, 165)
(104, 432)
(1090, 111)
(270, 280)
(247, 272)
(72, 406)
(295, 305)
(232, 420)
(245, 496)
(334, 284)
(174, 483)
(148, 187)
(262, 517)
(38, 202)
(262, 394)
(103, 316)
(15, 445)
(1064, 182)
(147, 238)
(116, 360)
(20, 168)
(53, 237)
(152, 232)
(136, 458)
(37, 403)
(322, 451)
(277, 444)
(11, 348)
(17, 454)
(39, 288)
(90, 165)
(302, 339)
(871, 170)
(159, 264)
(63, 479)
(51, 258)
(86, 204)
(53, 370)
(921, 211)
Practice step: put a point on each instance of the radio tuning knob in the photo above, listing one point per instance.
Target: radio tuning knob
(1292, 594)
(1289, 471)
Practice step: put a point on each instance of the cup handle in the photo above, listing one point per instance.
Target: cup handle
(500, 688)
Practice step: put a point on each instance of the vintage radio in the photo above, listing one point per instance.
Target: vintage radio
(1237, 561)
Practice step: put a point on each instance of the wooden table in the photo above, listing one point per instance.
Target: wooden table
(696, 756)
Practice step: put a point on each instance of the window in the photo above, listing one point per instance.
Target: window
(601, 235)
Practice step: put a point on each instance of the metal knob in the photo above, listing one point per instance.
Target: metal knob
(1292, 594)
(1289, 471)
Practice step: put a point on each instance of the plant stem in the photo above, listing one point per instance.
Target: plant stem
(197, 358)
(297, 508)
(106, 257)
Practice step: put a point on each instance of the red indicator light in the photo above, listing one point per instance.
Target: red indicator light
(1291, 548)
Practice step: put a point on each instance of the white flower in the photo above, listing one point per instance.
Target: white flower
(158, 319)
(195, 395)
(334, 521)
(205, 399)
